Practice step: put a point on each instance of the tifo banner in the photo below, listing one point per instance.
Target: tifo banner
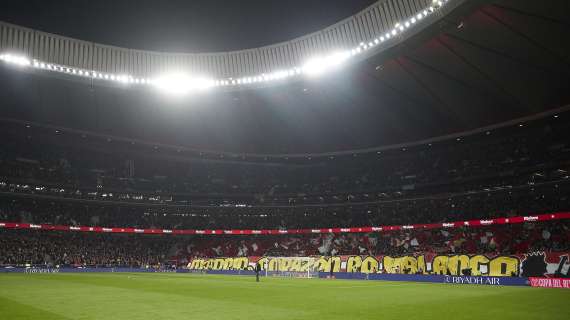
(457, 224)
(549, 282)
(538, 264)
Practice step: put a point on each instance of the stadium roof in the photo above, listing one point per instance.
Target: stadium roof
(474, 64)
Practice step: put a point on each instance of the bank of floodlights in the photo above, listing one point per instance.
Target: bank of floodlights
(182, 83)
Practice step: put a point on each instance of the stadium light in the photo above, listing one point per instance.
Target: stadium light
(15, 59)
(181, 83)
(314, 67)
(319, 65)
(176, 83)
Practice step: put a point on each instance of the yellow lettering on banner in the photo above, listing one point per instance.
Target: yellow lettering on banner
(285, 264)
(240, 263)
(273, 264)
(421, 263)
(456, 264)
(196, 264)
(217, 264)
(476, 262)
(408, 263)
(503, 266)
(392, 265)
(439, 264)
(353, 264)
(305, 265)
(369, 265)
(388, 263)
(324, 264)
(228, 264)
(295, 265)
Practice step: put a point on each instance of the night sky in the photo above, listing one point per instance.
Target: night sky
(180, 25)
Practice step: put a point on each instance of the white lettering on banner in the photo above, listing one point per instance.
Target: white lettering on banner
(550, 282)
(107, 230)
(90, 228)
(407, 227)
(530, 218)
(166, 231)
(449, 225)
(200, 232)
(376, 229)
(35, 226)
(139, 230)
(256, 231)
(486, 222)
(2, 224)
(282, 231)
(344, 230)
(75, 228)
(228, 231)
(41, 270)
(494, 281)
(316, 231)
(214, 232)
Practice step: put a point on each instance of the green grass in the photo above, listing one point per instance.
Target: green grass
(185, 296)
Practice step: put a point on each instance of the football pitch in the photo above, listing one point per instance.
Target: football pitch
(189, 296)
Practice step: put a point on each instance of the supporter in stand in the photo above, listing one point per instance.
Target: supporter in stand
(105, 250)
(519, 172)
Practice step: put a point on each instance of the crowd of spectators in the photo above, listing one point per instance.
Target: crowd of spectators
(21, 247)
(531, 154)
(505, 240)
(527, 200)
(520, 171)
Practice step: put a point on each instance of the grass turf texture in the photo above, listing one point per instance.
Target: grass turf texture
(186, 296)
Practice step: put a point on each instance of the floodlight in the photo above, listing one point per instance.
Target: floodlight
(180, 83)
(314, 66)
(17, 60)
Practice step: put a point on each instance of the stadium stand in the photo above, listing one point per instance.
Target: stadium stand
(103, 250)
(485, 176)
(515, 170)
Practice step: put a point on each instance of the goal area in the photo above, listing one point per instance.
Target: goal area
(290, 267)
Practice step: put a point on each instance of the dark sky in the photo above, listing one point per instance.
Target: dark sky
(180, 25)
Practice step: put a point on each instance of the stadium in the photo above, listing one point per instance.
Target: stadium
(285, 159)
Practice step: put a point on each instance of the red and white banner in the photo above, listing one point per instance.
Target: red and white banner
(550, 282)
(457, 224)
